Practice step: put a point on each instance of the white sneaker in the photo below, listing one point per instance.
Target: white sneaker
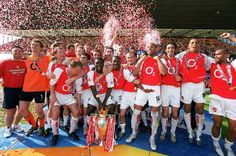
(229, 152)
(7, 132)
(153, 145)
(199, 141)
(218, 149)
(18, 129)
(163, 136)
(173, 138)
(131, 138)
(85, 130)
(190, 138)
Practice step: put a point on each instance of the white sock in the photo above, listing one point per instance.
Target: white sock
(144, 118)
(154, 124)
(65, 120)
(174, 124)
(55, 125)
(215, 140)
(122, 125)
(164, 125)
(135, 121)
(96, 132)
(73, 124)
(188, 122)
(200, 122)
(49, 120)
(88, 119)
(85, 121)
(228, 144)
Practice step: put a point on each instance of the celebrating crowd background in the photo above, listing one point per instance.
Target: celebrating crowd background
(207, 45)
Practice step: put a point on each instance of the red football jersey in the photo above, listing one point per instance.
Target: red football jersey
(150, 74)
(12, 73)
(173, 65)
(220, 80)
(193, 68)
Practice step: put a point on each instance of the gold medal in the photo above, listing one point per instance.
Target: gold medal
(43, 74)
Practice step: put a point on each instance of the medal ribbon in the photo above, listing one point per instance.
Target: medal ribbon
(40, 55)
(176, 66)
(186, 60)
(229, 81)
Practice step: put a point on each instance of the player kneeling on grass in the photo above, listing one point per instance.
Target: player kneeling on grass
(63, 94)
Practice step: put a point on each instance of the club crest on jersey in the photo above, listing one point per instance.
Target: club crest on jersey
(158, 98)
(214, 109)
(120, 98)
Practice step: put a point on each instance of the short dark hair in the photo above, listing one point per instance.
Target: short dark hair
(133, 52)
(87, 55)
(54, 52)
(74, 64)
(80, 46)
(70, 46)
(101, 59)
(56, 44)
(17, 46)
(38, 41)
(116, 56)
(107, 47)
(172, 43)
(225, 50)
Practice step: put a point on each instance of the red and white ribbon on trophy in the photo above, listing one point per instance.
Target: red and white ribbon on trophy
(91, 130)
(110, 141)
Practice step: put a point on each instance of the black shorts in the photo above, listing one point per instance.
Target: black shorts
(11, 97)
(39, 97)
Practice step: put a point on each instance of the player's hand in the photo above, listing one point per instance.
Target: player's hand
(97, 79)
(52, 76)
(232, 88)
(66, 61)
(178, 78)
(125, 66)
(225, 35)
(137, 81)
(207, 83)
(144, 57)
(148, 90)
(69, 81)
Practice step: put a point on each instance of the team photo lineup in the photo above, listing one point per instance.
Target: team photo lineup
(107, 88)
